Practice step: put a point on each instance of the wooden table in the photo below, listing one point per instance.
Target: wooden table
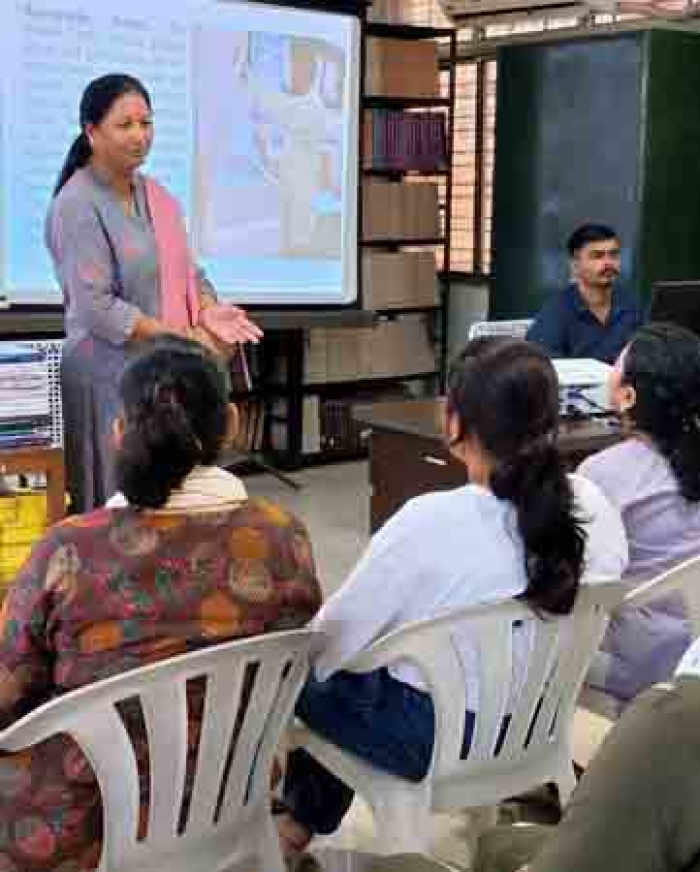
(408, 455)
(40, 459)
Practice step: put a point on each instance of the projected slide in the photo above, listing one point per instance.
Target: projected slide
(255, 118)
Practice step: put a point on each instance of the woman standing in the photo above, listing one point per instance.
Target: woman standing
(121, 257)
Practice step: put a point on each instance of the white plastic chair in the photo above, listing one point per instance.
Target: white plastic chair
(537, 744)
(516, 329)
(251, 688)
(684, 580)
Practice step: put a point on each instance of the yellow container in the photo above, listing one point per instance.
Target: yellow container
(22, 523)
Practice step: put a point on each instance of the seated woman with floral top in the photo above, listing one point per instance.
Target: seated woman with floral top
(181, 560)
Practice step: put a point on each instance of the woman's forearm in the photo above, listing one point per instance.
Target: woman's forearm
(146, 327)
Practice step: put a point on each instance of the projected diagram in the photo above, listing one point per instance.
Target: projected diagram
(268, 174)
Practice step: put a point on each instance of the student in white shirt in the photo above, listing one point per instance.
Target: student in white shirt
(522, 527)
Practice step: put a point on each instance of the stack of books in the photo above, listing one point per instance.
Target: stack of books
(25, 414)
(400, 141)
(392, 210)
(399, 279)
(389, 11)
(398, 68)
(392, 348)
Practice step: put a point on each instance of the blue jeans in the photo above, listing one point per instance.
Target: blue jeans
(387, 723)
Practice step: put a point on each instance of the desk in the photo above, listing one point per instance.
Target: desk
(40, 459)
(408, 456)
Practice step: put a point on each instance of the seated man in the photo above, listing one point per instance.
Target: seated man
(637, 807)
(592, 317)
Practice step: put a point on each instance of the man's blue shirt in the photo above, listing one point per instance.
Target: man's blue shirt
(566, 327)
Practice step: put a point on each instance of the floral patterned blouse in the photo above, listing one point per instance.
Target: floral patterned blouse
(110, 591)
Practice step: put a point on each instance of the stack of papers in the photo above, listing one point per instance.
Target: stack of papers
(25, 414)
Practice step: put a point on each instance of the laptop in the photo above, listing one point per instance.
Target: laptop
(676, 303)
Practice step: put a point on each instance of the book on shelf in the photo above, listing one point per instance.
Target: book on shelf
(399, 279)
(327, 426)
(339, 431)
(311, 437)
(401, 68)
(390, 349)
(344, 354)
(400, 210)
(400, 141)
(251, 419)
(388, 12)
(401, 347)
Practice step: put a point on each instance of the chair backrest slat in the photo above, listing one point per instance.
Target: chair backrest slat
(221, 706)
(102, 736)
(543, 656)
(164, 708)
(684, 580)
(282, 711)
(494, 643)
(263, 690)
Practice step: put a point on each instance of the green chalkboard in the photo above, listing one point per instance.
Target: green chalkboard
(595, 129)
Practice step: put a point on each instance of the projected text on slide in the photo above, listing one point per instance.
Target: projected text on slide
(255, 115)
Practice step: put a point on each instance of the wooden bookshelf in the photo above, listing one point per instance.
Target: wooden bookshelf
(429, 98)
(379, 102)
(408, 242)
(398, 174)
(409, 32)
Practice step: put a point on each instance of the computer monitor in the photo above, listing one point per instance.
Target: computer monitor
(676, 303)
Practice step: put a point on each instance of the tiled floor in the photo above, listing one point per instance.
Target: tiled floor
(334, 504)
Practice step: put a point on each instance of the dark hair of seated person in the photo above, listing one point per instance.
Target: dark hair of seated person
(662, 364)
(587, 233)
(504, 392)
(175, 399)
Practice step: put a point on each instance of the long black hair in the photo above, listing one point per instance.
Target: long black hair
(98, 98)
(175, 410)
(505, 393)
(662, 364)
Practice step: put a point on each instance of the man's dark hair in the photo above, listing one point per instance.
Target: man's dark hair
(586, 234)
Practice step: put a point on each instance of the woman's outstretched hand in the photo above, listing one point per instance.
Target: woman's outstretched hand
(229, 324)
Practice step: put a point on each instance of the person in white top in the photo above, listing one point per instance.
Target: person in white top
(521, 528)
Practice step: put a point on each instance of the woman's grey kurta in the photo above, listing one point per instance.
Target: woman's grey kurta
(106, 263)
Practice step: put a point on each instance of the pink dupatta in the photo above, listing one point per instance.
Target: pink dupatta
(179, 286)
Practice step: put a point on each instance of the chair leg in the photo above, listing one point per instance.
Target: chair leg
(402, 820)
(269, 850)
(566, 782)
